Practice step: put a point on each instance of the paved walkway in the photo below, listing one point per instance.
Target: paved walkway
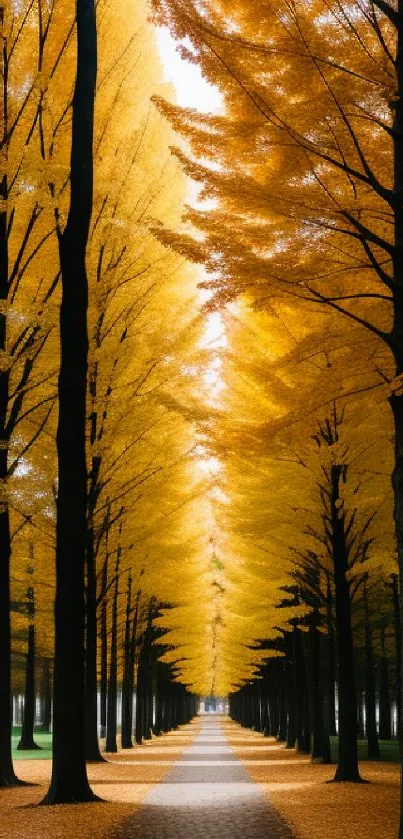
(206, 795)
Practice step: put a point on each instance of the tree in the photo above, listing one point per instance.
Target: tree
(27, 237)
(322, 165)
(322, 505)
(69, 777)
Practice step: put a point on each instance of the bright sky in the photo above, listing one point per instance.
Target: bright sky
(192, 91)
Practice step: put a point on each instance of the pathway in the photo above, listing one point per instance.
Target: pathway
(206, 795)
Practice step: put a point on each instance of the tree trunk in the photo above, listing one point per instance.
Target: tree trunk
(148, 692)
(326, 682)
(266, 724)
(69, 781)
(302, 723)
(290, 704)
(347, 769)
(139, 721)
(27, 741)
(273, 702)
(396, 402)
(159, 699)
(167, 718)
(143, 718)
(370, 700)
(103, 686)
(385, 728)
(148, 700)
(92, 751)
(282, 704)
(128, 670)
(111, 712)
(331, 668)
(46, 691)
(318, 747)
(7, 774)
(257, 708)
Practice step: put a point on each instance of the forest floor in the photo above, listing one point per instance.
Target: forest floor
(124, 781)
(312, 807)
(296, 788)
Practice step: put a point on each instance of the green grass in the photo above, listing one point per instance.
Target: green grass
(389, 750)
(43, 740)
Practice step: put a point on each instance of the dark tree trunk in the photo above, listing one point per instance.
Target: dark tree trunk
(397, 633)
(265, 707)
(396, 402)
(149, 670)
(331, 666)
(27, 741)
(347, 769)
(282, 703)
(257, 708)
(319, 749)
(325, 682)
(7, 774)
(167, 703)
(69, 781)
(92, 751)
(174, 711)
(140, 686)
(290, 703)
(148, 715)
(370, 699)
(273, 702)
(128, 670)
(111, 711)
(302, 726)
(103, 685)
(46, 692)
(127, 679)
(246, 707)
(159, 698)
(385, 715)
(143, 723)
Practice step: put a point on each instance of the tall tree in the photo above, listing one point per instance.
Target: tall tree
(69, 781)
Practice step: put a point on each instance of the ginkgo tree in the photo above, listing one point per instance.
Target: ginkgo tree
(306, 178)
